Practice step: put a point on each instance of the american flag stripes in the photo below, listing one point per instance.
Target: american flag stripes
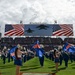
(17, 30)
(66, 30)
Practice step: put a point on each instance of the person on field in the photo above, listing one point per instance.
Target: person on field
(18, 59)
(56, 59)
(66, 58)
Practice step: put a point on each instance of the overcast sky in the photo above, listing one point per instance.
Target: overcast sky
(12, 11)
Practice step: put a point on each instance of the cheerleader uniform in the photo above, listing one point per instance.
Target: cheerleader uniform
(56, 60)
(18, 60)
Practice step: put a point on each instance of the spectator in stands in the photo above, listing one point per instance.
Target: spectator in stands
(18, 59)
(56, 59)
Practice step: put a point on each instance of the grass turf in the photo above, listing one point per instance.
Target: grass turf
(34, 66)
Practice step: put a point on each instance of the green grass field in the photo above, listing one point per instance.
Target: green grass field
(34, 66)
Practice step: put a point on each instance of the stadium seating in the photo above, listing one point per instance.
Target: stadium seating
(56, 41)
(31, 40)
(6, 41)
(69, 40)
(48, 42)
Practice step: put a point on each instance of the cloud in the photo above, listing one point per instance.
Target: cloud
(12, 11)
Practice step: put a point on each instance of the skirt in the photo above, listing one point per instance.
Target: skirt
(56, 60)
(18, 62)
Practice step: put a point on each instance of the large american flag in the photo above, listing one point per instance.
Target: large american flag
(14, 30)
(63, 30)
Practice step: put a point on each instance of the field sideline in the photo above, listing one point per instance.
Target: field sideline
(33, 66)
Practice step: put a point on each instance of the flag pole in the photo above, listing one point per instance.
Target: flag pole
(21, 22)
(55, 21)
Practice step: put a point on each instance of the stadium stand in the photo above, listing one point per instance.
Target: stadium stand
(48, 42)
(69, 40)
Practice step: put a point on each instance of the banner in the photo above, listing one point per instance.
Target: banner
(38, 30)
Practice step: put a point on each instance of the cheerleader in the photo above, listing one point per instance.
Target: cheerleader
(18, 59)
(56, 59)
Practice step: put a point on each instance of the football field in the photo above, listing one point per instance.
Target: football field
(33, 67)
